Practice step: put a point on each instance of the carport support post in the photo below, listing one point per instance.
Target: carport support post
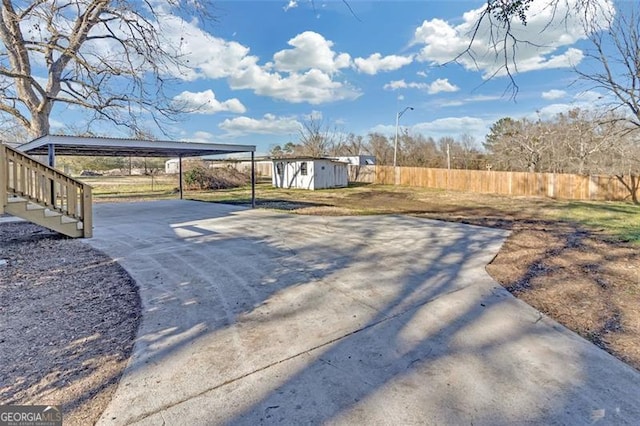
(51, 151)
(253, 181)
(180, 174)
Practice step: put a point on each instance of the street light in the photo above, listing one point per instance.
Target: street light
(395, 145)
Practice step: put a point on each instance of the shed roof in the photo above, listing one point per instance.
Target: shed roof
(119, 147)
(333, 160)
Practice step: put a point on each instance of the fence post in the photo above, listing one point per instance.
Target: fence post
(4, 178)
(87, 211)
(593, 186)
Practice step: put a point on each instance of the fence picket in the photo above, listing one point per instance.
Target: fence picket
(553, 185)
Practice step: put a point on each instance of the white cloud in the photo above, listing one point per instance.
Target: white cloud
(554, 94)
(421, 73)
(551, 111)
(401, 84)
(313, 115)
(385, 129)
(470, 99)
(448, 126)
(302, 74)
(207, 56)
(588, 96)
(206, 103)
(551, 32)
(314, 86)
(452, 103)
(441, 85)
(269, 124)
(56, 124)
(452, 126)
(587, 100)
(200, 136)
(437, 86)
(310, 50)
(292, 4)
(376, 63)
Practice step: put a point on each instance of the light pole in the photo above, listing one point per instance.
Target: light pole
(395, 145)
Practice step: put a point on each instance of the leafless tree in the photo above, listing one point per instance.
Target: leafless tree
(628, 166)
(416, 150)
(584, 139)
(352, 144)
(499, 17)
(318, 138)
(517, 145)
(464, 153)
(108, 57)
(11, 132)
(616, 51)
(379, 146)
(579, 141)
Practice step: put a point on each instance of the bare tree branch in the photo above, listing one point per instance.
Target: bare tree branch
(616, 52)
(106, 56)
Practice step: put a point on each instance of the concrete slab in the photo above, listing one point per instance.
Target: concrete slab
(251, 316)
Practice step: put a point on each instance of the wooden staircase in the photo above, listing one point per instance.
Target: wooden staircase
(41, 194)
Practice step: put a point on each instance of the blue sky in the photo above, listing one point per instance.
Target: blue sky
(265, 66)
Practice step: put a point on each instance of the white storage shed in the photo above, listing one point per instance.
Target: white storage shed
(309, 173)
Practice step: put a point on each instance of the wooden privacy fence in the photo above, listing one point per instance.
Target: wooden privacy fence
(554, 185)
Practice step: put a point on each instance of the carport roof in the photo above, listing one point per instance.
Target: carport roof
(118, 147)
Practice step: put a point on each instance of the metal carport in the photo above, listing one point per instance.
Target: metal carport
(52, 145)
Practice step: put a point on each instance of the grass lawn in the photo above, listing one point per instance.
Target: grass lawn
(129, 188)
(620, 221)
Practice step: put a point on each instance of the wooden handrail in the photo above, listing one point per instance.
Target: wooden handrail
(35, 181)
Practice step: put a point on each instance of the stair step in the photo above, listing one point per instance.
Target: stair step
(67, 219)
(25, 203)
(51, 213)
(45, 217)
(32, 206)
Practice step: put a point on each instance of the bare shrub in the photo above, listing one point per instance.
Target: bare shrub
(200, 176)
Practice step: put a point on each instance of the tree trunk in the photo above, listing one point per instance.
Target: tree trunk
(633, 186)
(40, 123)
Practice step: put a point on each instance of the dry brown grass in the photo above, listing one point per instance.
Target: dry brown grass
(69, 315)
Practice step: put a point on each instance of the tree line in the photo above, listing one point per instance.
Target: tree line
(318, 139)
(578, 141)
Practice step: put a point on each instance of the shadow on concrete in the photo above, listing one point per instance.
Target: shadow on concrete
(256, 317)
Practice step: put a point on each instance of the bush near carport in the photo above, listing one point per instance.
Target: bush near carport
(199, 176)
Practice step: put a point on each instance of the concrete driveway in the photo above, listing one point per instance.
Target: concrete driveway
(251, 316)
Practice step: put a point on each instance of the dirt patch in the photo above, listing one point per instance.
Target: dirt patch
(69, 316)
(580, 279)
(324, 211)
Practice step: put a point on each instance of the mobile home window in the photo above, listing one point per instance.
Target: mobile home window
(279, 168)
(303, 168)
